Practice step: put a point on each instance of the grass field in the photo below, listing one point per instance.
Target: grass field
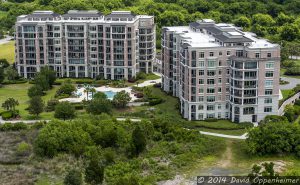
(286, 93)
(7, 51)
(19, 92)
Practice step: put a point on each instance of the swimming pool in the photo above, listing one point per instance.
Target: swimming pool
(110, 94)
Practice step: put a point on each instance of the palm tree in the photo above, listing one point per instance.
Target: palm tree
(87, 89)
(13, 103)
(93, 90)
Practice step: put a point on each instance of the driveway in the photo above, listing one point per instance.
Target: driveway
(292, 83)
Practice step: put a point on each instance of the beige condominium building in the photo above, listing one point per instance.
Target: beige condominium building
(85, 44)
(219, 71)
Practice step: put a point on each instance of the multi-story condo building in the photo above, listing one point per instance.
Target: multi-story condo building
(85, 44)
(219, 71)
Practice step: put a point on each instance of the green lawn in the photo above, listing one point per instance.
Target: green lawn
(7, 51)
(286, 93)
(19, 92)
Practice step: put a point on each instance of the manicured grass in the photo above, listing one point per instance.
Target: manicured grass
(19, 92)
(286, 93)
(7, 51)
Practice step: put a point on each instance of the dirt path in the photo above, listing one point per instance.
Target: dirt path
(226, 160)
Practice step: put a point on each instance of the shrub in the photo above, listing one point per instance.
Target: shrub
(292, 71)
(139, 95)
(19, 126)
(73, 177)
(98, 106)
(6, 127)
(297, 102)
(132, 80)
(66, 88)
(51, 105)
(23, 149)
(211, 120)
(78, 106)
(157, 85)
(141, 76)
(84, 81)
(64, 110)
(7, 115)
(155, 101)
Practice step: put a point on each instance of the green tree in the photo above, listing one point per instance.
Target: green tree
(11, 73)
(139, 140)
(73, 177)
(2, 76)
(98, 106)
(66, 88)
(283, 19)
(41, 81)
(35, 90)
(121, 99)
(263, 20)
(36, 105)
(94, 172)
(289, 32)
(243, 22)
(273, 138)
(10, 104)
(4, 63)
(49, 74)
(64, 110)
(99, 95)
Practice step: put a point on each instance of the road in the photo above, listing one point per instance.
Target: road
(292, 83)
(243, 137)
(23, 121)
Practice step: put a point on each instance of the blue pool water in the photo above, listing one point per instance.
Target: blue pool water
(110, 94)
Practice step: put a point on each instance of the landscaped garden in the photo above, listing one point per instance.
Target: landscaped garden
(7, 51)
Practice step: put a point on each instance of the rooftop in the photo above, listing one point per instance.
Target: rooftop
(206, 33)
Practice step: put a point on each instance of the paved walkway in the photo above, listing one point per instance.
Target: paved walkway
(5, 40)
(292, 83)
(131, 119)
(18, 121)
(243, 137)
(149, 82)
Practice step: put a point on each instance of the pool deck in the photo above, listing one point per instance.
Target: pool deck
(107, 88)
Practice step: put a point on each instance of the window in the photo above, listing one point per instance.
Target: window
(219, 115)
(250, 65)
(268, 92)
(212, 115)
(220, 63)
(219, 106)
(220, 53)
(201, 63)
(269, 74)
(201, 90)
(211, 98)
(210, 107)
(211, 54)
(200, 107)
(268, 100)
(220, 80)
(248, 110)
(219, 89)
(211, 72)
(267, 109)
(201, 81)
(201, 54)
(220, 72)
(257, 55)
(211, 81)
(269, 55)
(228, 53)
(210, 90)
(201, 72)
(270, 65)
(211, 63)
(200, 116)
(201, 98)
(268, 83)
